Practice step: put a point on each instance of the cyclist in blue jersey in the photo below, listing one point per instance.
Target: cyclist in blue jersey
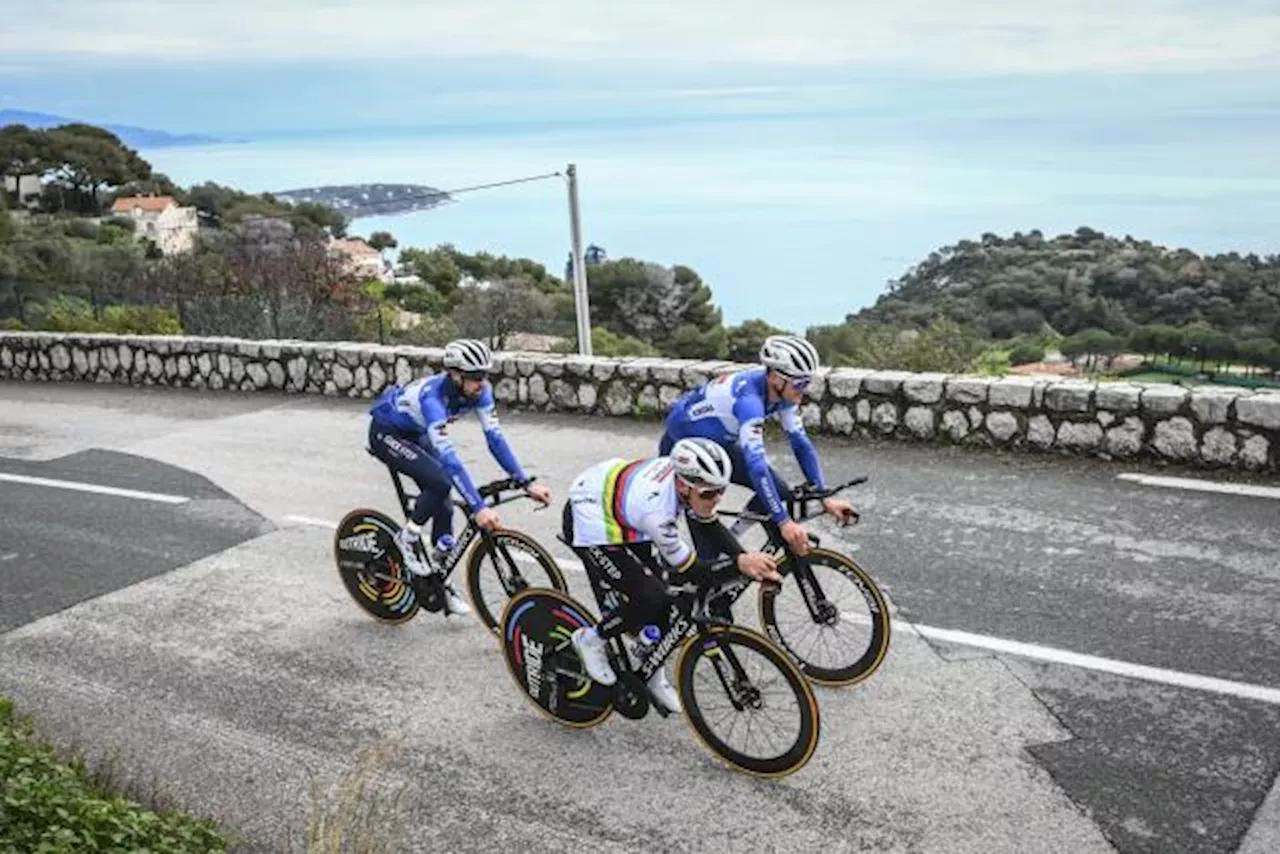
(731, 410)
(408, 430)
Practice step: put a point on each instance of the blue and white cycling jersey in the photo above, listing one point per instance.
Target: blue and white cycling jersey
(429, 405)
(731, 410)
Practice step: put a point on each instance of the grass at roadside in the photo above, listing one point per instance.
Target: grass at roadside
(52, 807)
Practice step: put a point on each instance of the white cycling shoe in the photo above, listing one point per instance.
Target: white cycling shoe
(664, 692)
(592, 650)
(411, 551)
(454, 603)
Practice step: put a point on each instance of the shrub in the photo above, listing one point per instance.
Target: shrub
(50, 807)
(1025, 353)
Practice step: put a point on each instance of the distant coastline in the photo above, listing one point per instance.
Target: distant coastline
(130, 135)
(365, 200)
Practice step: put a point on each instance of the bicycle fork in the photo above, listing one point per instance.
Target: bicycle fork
(821, 609)
(742, 694)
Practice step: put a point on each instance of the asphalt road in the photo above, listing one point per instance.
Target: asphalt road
(61, 547)
(230, 640)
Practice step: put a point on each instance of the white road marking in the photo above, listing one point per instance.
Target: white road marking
(93, 487)
(1022, 650)
(1106, 665)
(1202, 485)
(311, 520)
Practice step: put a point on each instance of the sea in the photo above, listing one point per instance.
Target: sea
(799, 219)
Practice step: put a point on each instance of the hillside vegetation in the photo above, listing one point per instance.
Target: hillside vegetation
(1089, 293)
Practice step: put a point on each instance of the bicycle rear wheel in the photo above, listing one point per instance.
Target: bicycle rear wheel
(371, 567)
(846, 640)
(535, 630)
(728, 675)
(514, 562)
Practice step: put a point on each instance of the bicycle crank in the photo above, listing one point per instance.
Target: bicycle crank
(630, 697)
(430, 591)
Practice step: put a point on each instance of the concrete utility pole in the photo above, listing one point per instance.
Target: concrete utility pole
(579, 267)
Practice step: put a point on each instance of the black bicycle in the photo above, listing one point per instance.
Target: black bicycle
(851, 631)
(726, 675)
(373, 571)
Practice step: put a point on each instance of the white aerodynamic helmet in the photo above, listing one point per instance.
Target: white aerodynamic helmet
(790, 355)
(467, 355)
(702, 462)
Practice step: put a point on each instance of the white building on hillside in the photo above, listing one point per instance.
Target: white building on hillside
(26, 188)
(172, 226)
(361, 259)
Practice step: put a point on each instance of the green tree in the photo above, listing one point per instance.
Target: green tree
(321, 216)
(88, 158)
(382, 240)
(1025, 353)
(6, 222)
(605, 343)
(655, 304)
(436, 267)
(943, 345)
(1205, 344)
(1083, 280)
(495, 311)
(1258, 352)
(23, 151)
(1093, 344)
(743, 341)
(692, 342)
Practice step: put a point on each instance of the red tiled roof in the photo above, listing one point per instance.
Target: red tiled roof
(151, 204)
(354, 247)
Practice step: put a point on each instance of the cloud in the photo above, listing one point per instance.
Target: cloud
(928, 36)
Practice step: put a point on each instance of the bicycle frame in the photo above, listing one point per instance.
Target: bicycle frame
(687, 616)
(492, 491)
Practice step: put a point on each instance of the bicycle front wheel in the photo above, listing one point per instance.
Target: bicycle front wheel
(830, 617)
(503, 565)
(734, 682)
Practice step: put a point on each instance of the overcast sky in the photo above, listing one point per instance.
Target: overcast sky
(966, 36)
(191, 65)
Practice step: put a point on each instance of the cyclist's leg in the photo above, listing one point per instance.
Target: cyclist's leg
(623, 569)
(404, 455)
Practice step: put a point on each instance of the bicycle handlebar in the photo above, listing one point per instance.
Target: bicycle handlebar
(802, 494)
(806, 492)
(495, 489)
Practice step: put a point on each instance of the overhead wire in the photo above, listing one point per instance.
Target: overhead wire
(409, 197)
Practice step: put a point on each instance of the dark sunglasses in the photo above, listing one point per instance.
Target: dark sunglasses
(708, 491)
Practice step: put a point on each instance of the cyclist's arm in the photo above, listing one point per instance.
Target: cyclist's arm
(714, 531)
(665, 534)
(438, 434)
(750, 414)
(801, 446)
(487, 412)
(678, 554)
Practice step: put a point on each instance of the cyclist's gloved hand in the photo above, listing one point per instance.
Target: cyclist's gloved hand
(796, 536)
(540, 493)
(842, 510)
(759, 566)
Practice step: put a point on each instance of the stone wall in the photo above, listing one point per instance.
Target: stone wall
(1207, 426)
